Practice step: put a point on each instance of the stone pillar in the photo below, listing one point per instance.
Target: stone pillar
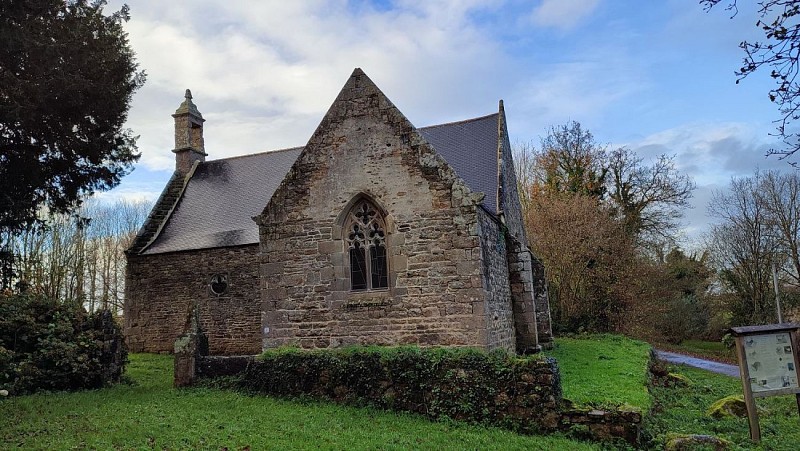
(522, 297)
(188, 348)
(541, 300)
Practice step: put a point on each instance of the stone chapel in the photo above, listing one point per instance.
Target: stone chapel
(374, 232)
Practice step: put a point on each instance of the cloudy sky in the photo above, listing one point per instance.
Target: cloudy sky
(657, 77)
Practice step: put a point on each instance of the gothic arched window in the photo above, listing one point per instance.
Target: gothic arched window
(366, 242)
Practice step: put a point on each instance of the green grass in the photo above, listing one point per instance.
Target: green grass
(600, 370)
(683, 411)
(149, 414)
(604, 370)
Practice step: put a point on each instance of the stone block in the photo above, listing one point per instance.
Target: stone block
(329, 247)
(399, 263)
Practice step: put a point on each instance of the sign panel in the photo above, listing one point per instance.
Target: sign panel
(770, 361)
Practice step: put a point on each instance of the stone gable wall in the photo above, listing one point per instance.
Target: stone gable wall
(365, 147)
(529, 288)
(161, 289)
(509, 194)
(435, 294)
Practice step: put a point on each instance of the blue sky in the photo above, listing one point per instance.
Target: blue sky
(657, 76)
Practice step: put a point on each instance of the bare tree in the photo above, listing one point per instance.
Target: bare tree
(586, 211)
(570, 161)
(779, 52)
(744, 246)
(780, 194)
(526, 170)
(650, 199)
(76, 260)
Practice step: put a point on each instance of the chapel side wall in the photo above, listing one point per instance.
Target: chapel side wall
(494, 272)
(161, 289)
(528, 283)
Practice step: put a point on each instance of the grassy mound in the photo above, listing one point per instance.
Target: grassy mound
(149, 413)
(604, 370)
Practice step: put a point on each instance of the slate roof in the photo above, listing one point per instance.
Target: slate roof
(220, 200)
(222, 196)
(470, 148)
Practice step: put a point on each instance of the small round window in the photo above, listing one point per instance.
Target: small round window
(219, 284)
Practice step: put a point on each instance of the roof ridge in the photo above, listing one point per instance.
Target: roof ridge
(287, 149)
(463, 121)
(256, 154)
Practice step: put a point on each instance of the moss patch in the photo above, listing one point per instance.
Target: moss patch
(729, 406)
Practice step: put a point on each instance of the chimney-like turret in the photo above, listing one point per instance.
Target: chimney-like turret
(189, 146)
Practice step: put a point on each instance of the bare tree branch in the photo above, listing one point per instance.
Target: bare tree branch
(779, 53)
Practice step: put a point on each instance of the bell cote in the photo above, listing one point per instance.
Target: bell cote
(189, 145)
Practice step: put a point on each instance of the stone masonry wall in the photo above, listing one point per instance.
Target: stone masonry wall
(528, 283)
(494, 271)
(364, 147)
(523, 285)
(541, 299)
(509, 195)
(161, 289)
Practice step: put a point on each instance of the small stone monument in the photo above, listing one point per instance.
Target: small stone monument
(188, 348)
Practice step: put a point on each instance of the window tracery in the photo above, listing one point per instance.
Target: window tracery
(366, 242)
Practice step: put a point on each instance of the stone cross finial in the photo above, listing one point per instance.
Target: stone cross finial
(187, 106)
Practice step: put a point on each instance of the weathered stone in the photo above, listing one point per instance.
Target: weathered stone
(188, 348)
(459, 269)
(688, 442)
(729, 406)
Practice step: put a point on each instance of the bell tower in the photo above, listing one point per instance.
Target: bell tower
(189, 145)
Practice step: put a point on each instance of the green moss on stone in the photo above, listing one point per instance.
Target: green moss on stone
(693, 442)
(729, 406)
(678, 380)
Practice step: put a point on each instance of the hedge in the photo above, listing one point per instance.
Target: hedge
(520, 393)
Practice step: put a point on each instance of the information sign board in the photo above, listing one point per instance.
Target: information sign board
(770, 362)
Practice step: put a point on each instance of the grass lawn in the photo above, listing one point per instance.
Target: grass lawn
(149, 414)
(683, 411)
(604, 370)
(601, 370)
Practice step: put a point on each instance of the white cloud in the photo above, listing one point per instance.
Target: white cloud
(264, 73)
(130, 194)
(579, 90)
(563, 14)
(711, 153)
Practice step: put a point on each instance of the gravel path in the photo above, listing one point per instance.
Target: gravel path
(710, 365)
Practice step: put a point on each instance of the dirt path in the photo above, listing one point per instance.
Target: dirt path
(710, 365)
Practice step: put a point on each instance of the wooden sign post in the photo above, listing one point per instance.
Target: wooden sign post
(769, 365)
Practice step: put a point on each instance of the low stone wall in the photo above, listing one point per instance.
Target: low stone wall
(602, 425)
(534, 404)
(212, 366)
(518, 393)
